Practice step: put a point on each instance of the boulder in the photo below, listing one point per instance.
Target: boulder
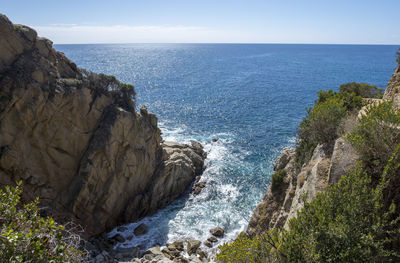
(127, 253)
(179, 245)
(171, 252)
(208, 244)
(201, 253)
(212, 239)
(192, 246)
(154, 251)
(140, 230)
(217, 232)
(194, 259)
(119, 238)
(122, 228)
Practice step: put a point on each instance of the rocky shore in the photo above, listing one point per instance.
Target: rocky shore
(103, 249)
(75, 140)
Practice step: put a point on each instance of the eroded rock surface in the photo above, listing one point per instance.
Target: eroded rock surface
(281, 204)
(392, 91)
(74, 139)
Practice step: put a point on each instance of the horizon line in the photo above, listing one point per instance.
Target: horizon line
(229, 43)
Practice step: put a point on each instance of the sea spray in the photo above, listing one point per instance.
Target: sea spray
(221, 203)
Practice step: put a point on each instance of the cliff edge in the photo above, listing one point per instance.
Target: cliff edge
(280, 204)
(75, 140)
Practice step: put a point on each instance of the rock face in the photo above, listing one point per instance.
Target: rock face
(280, 205)
(392, 91)
(343, 160)
(74, 139)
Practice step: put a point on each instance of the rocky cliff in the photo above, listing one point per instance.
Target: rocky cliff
(74, 139)
(392, 91)
(281, 204)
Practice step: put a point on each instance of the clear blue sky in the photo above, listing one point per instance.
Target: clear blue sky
(212, 21)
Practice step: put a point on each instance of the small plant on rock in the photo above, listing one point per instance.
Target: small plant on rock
(277, 178)
(25, 236)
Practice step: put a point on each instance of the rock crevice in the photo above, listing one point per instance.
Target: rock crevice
(74, 139)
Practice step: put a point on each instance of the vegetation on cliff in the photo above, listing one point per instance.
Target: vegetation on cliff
(323, 123)
(376, 136)
(348, 223)
(25, 236)
(356, 220)
(277, 178)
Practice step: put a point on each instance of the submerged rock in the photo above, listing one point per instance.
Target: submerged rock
(198, 186)
(217, 231)
(118, 238)
(140, 230)
(208, 244)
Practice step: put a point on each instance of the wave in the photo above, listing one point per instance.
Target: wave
(193, 216)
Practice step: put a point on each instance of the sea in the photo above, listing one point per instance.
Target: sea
(249, 98)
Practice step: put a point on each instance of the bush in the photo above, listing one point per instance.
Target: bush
(347, 223)
(322, 123)
(27, 237)
(323, 120)
(123, 94)
(250, 250)
(277, 179)
(319, 127)
(376, 136)
(362, 89)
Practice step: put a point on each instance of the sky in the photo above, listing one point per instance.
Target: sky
(210, 21)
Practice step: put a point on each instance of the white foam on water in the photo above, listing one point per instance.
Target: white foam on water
(193, 216)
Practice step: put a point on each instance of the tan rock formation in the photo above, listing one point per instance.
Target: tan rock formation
(343, 160)
(280, 205)
(392, 91)
(75, 140)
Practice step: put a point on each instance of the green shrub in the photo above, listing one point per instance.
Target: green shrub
(376, 136)
(323, 120)
(123, 94)
(27, 237)
(250, 250)
(322, 123)
(347, 223)
(319, 127)
(351, 100)
(362, 89)
(277, 178)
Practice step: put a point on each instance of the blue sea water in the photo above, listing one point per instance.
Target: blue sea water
(250, 96)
